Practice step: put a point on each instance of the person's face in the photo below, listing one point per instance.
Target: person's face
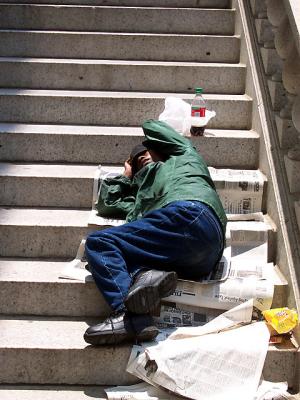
(143, 159)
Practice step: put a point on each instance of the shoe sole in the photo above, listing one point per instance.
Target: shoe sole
(116, 338)
(145, 299)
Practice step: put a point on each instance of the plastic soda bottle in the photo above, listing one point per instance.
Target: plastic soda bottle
(198, 109)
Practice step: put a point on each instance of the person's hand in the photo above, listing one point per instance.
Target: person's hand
(127, 169)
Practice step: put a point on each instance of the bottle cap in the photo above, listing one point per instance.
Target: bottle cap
(198, 90)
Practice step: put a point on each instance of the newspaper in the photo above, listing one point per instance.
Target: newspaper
(175, 315)
(145, 391)
(101, 174)
(140, 391)
(246, 231)
(76, 269)
(224, 295)
(272, 391)
(248, 246)
(218, 363)
(95, 219)
(240, 191)
(241, 314)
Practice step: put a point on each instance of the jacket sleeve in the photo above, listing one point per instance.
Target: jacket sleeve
(163, 138)
(116, 197)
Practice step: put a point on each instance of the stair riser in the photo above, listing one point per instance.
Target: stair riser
(217, 151)
(130, 111)
(137, 3)
(57, 242)
(48, 366)
(68, 299)
(45, 191)
(103, 365)
(121, 47)
(80, 76)
(65, 298)
(41, 241)
(190, 21)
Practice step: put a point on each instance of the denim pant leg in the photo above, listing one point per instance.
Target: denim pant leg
(184, 236)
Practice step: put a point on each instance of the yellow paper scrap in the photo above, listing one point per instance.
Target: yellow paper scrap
(283, 320)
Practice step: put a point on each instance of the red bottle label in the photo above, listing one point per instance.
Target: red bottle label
(198, 112)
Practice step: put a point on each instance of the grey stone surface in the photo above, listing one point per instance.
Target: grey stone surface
(43, 185)
(293, 174)
(53, 352)
(278, 94)
(271, 60)
(138, 3)
(121, 75)
(143, 47)
(98, 144)
(258, 7)
(287, 133)
(46, 392)
(38, 290)
(280, 363)
(57, 233)
(41, 232)
(297, 211)
(61, 392)
(99, 108)
(117, 19)
(46, 185)
(264, 30)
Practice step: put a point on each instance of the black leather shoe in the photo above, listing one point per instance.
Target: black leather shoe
(148, 289)
(121, 328)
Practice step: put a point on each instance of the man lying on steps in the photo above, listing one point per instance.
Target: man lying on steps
(175, 227)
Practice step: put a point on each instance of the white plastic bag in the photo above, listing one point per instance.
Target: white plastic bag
(177, 114)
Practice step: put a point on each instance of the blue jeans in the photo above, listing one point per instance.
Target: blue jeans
(184, 236)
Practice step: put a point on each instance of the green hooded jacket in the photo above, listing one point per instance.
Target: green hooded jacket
(183, 176)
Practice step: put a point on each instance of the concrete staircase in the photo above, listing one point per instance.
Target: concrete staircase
(77, 80)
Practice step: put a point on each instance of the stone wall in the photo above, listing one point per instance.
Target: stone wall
(277, 25)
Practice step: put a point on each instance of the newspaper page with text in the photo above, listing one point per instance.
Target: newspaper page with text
(214, 362)
(240, 191)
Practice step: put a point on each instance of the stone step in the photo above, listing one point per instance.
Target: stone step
(53, 392)
(142, 76)
(94, 107)
(63, 392)
(38, 290)
(95, 144)
(44, 185)
(132, 3)
(117, 19)
(46, 233)
(54, 352)
(120, 46)
(48, 351)
(42, 232)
